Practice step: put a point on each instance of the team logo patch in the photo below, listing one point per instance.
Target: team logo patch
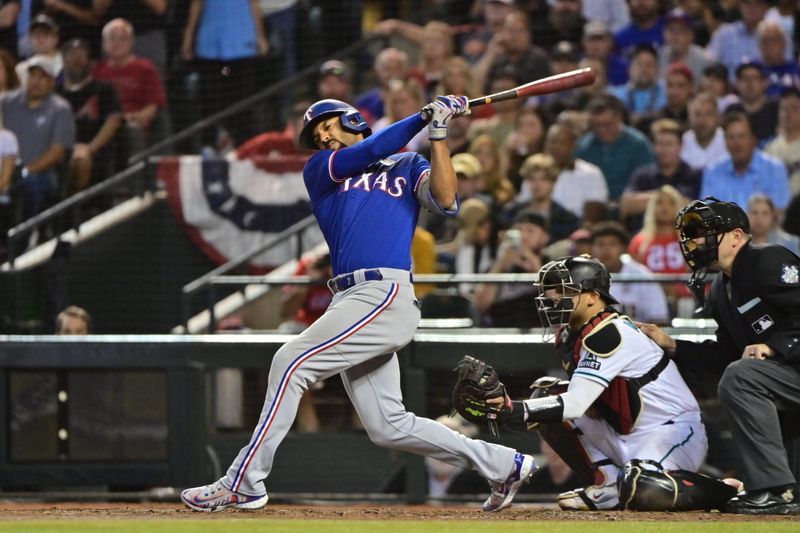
(790, 275)
(762, 324)
(589, 362)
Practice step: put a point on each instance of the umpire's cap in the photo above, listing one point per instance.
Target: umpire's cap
(352, 120)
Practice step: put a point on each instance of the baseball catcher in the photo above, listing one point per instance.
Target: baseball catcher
(625, 422)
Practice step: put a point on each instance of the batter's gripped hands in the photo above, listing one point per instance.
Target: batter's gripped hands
(440, 111)
(757, 351)
(658, 336)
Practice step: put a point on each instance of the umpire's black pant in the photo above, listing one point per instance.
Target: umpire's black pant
(754, 393)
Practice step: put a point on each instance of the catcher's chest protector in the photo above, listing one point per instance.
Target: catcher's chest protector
(620, 404)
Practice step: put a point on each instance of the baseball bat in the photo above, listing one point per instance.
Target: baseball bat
(552, 84)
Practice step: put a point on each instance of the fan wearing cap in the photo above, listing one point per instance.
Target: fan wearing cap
(625, 399)
(679, 45)
(756, 303)
(45, 127)
(43, 36)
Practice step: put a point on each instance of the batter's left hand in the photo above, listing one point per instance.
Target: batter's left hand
(757, 351)
(440, 111)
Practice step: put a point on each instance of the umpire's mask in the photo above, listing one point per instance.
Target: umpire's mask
(701, 225)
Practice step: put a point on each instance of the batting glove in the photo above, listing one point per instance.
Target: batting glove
(440, 111)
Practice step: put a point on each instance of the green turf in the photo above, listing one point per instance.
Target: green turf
(386, 526)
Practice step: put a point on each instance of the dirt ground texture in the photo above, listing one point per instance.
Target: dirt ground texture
(10, 511)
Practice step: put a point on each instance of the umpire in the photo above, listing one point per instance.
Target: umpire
(756, 303)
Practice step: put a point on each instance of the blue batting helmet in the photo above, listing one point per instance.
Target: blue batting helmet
(352, 120)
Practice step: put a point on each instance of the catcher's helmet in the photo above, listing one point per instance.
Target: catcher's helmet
(352, 120)
(570, 276)
(706, 219)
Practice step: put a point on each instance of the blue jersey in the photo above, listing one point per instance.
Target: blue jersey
(366, 199)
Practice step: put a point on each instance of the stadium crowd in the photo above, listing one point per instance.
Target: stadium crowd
(693, 98)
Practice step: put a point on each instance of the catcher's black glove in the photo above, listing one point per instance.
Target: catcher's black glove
(476, 383)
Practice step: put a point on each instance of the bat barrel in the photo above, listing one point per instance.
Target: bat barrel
(559, 82)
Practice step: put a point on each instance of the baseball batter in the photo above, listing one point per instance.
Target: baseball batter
(366, 198)
(625, 400)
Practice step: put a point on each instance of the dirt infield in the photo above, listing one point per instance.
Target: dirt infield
(10, 511)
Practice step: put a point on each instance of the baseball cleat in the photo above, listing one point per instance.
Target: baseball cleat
(503, 493)
(594, 498)
(216, 497)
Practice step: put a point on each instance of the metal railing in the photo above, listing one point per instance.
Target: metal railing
(296, 231)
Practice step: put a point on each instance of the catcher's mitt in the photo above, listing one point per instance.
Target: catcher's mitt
(476, 383)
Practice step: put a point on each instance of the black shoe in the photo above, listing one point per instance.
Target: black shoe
(786, 501)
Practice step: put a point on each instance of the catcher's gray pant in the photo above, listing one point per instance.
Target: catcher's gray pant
(357, 337)
(754, 393)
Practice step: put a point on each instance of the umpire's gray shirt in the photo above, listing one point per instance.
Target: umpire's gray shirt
(39, 128)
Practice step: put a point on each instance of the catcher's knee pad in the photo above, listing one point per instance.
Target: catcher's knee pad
(646, 486)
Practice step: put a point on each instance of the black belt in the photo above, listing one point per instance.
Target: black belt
(652, 374)
(345, 281)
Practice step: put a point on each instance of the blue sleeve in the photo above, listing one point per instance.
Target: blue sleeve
(317, 175)
(778, 184)
(355, 159)
(420, 169)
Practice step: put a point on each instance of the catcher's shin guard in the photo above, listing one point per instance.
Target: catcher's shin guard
(646, 486)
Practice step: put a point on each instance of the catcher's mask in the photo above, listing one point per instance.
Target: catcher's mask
(564, 278)
(701, 225)
(350, 118)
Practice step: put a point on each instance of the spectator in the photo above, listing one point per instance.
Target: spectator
(680, 47)
(784, 12)
(334, 81)
(75, 19)
(732, 42)
(9, 14)
(540, 173)
(280, 23)
(613, 146)
(403, 99)
(468, 172)
(715, 81)
(762, 111)
(598, 44)
(472, 250)
(9, 152)
(579, 98)
(73, 320)
(644, 93)
(504, 120)
(702, 20)
(564, 57)
(473, 44)
(679, 90)
(646, 28)
(657, 245)
(136, 81)
(436, 49)
(226, 40)
(45, 127)
(773, 42)
(98, 117)
(512, 304)
(764, 226)
(494, 183)
(149, 21)
(669, 169)
(644, 300)
(457, 79)
(580, 187)
(390, 64)
(526, 139)
(615, 14)
(8, 74)
(747, 170)
(44, 40)
(511, 51)
(786, 146)
(566, 22)
(278, 144)
(704, 142)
